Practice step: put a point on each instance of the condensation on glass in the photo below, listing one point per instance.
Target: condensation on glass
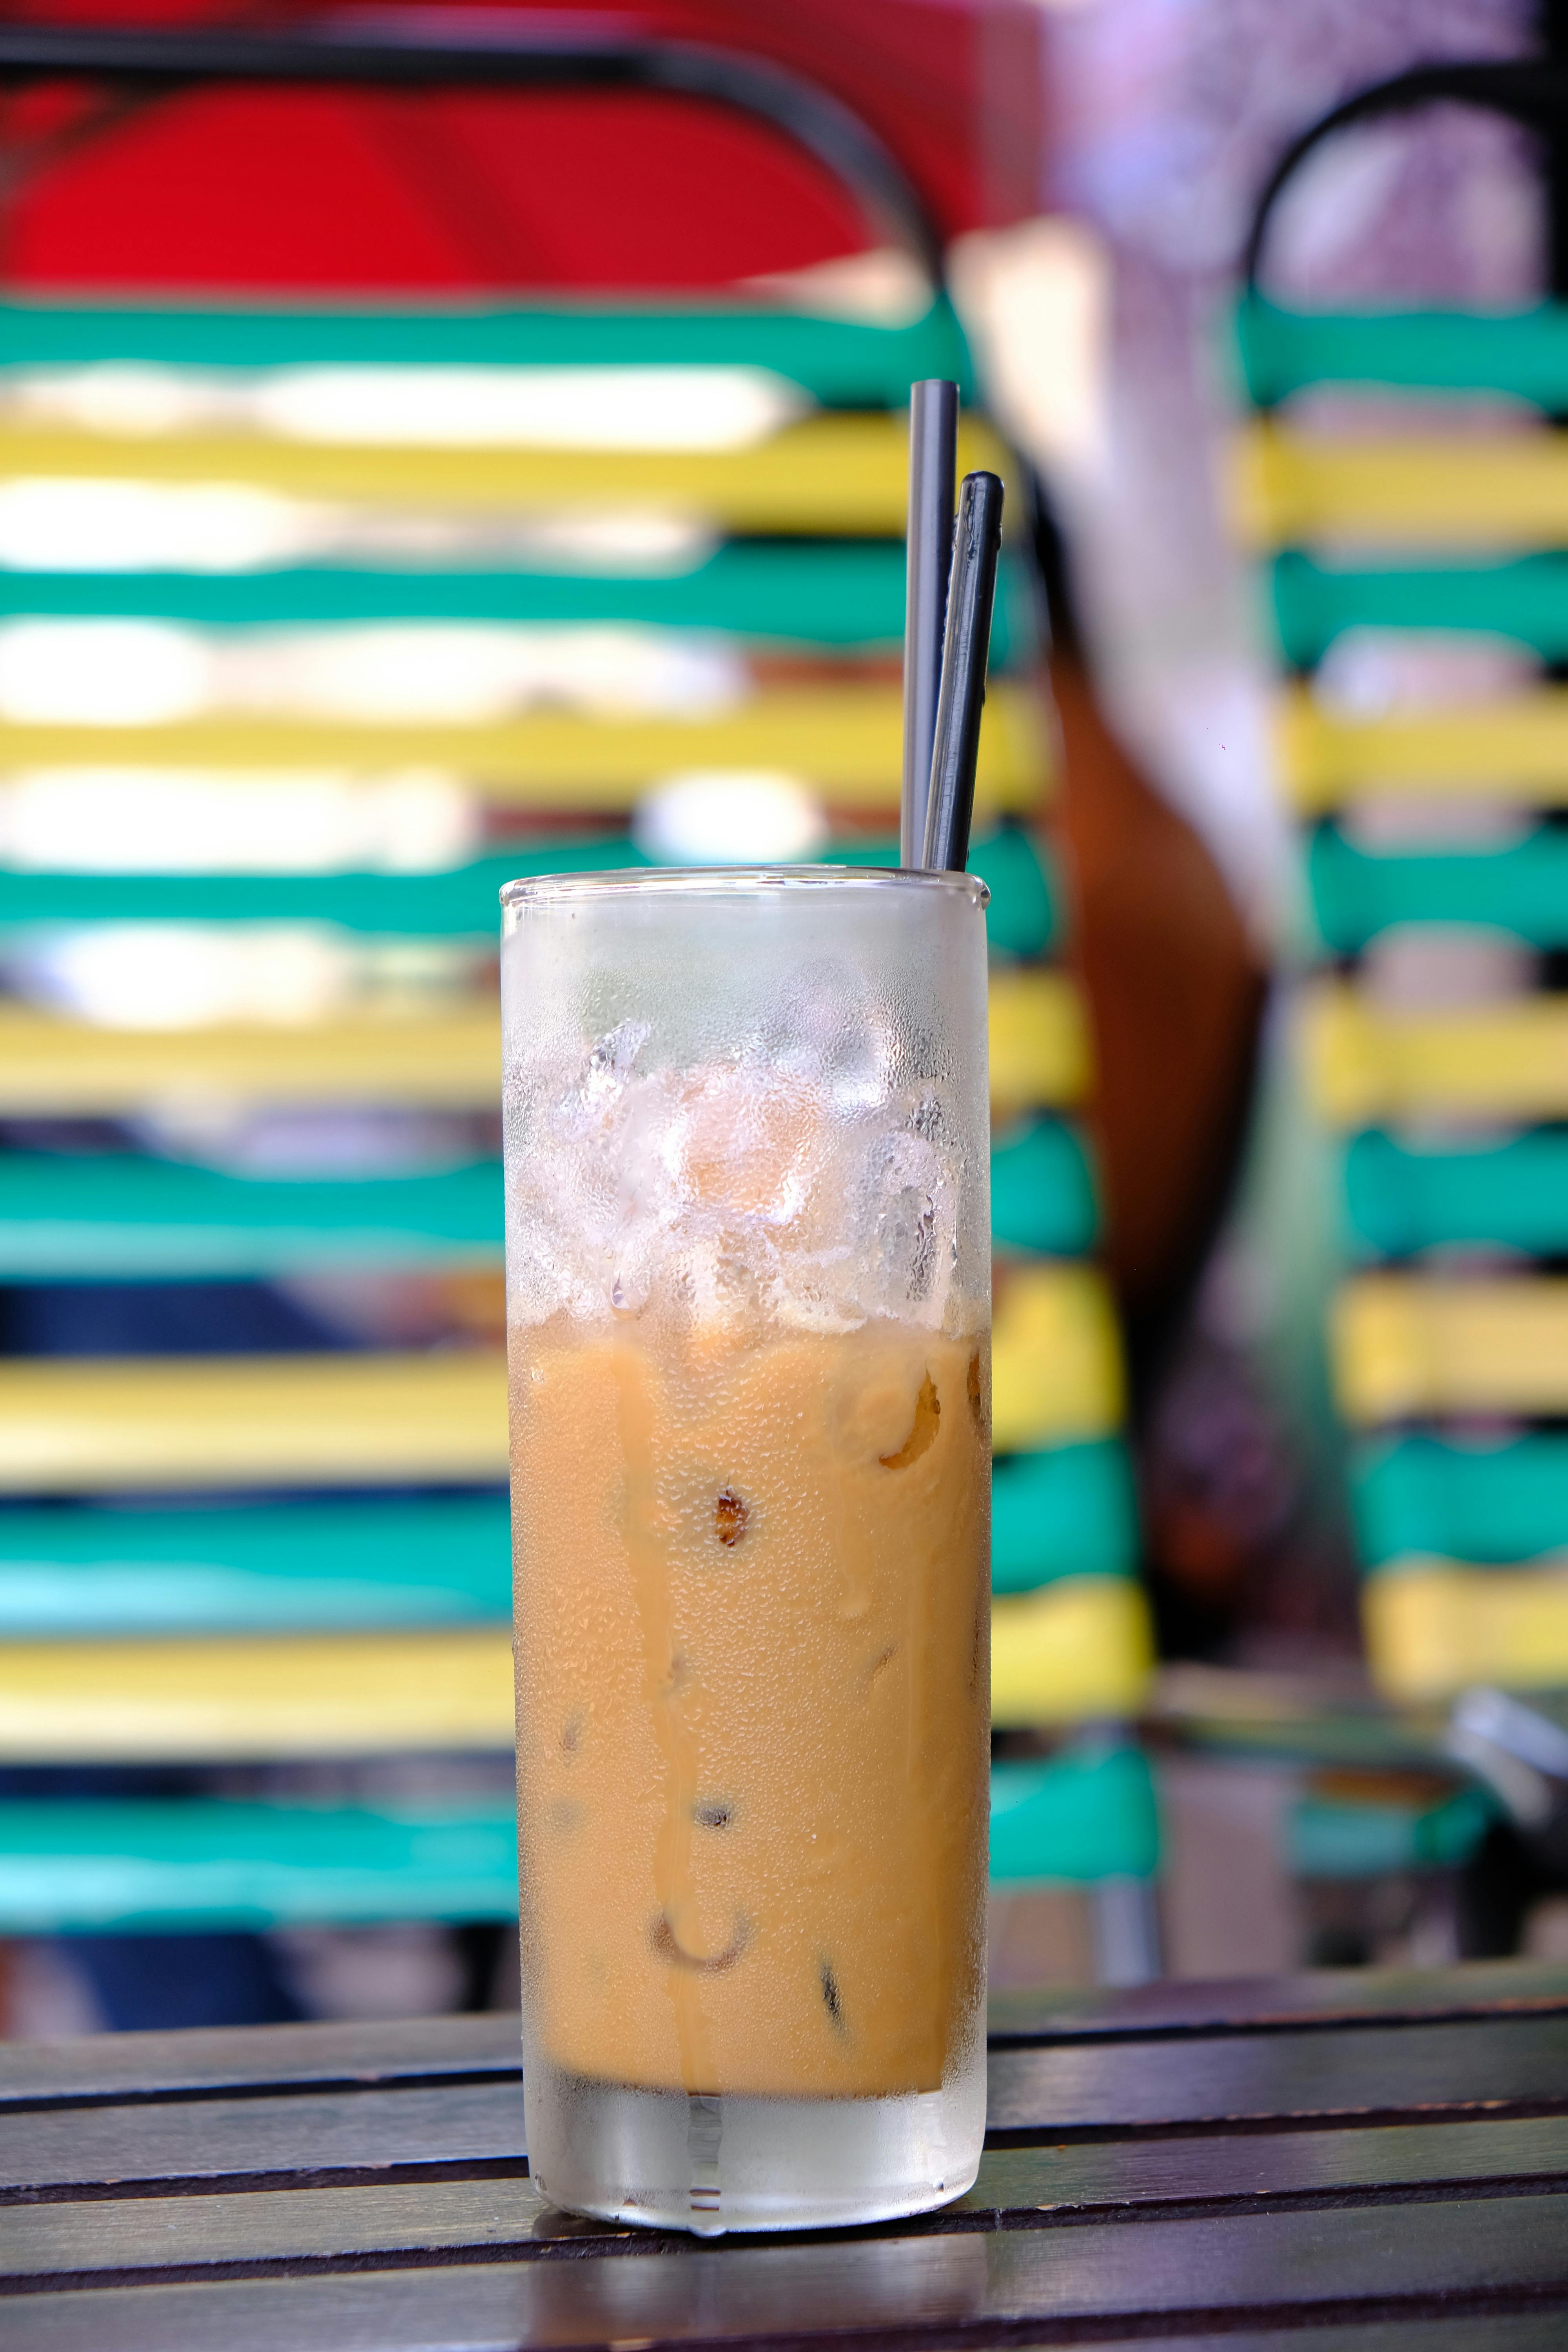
(748, 1278)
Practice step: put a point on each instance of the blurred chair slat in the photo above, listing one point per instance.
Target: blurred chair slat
(1524, 352)
(121, 1215)
(1364, 1835)
(1502, 1500)
(1520, 887)
(1407, 1347)
(1074, 1817)
(94, 1424)
(1526, 600)
(282, 1567)
(1435, 1627)
(117, 1214)
(1507, 1062)
(830, 475)
(1040, 1051)
(844, 740)
(1056, 1359)
(1514, 752)
(1068, 1511)
(257, 1697)
(339, 1562)
(448, 1059)
(75, 1865)
(840, 362)
(1081, 1648)
(846, 596)
(1510, 490)
(97, 1424)
(1401, 1197)
(462, 901)
(1024, 916)
(142, 1865)
(1043, 1194)
(50, 1066)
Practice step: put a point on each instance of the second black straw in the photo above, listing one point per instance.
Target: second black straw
(933, 467)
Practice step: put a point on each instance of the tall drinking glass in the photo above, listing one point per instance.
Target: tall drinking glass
(748, 1279)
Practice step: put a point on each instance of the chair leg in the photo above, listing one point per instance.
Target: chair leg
(1124, 1922)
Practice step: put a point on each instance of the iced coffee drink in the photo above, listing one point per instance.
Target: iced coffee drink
(748, 1258)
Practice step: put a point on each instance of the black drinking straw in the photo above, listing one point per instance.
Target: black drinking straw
(966, 645)
(933, 465)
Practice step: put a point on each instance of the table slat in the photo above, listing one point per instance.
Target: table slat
(1419, 2071)
(1408, 2069)
(114, 2065)
(1017, 2188)
(1339, 2263)
(119, 2066)
(207, 2139)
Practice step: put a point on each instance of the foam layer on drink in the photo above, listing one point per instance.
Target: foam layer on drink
(753, 1699)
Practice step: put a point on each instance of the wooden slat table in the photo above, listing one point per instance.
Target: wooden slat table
(1353, 2162)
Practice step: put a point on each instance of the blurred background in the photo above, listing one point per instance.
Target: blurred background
(444, 442)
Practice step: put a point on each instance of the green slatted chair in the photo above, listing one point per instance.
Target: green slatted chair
(325, 1620)
(1453, 1122)
(161, 1864)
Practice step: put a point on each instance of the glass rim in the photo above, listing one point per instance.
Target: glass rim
(697, 881)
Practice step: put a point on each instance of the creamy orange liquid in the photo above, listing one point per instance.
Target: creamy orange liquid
(753, 1597)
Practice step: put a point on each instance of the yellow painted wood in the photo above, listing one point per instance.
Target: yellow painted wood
(1514, 752)
(1056, 1359)
(834, 475)
(1431, 491)
(71, 1426)
(76, 1425)
(64, 1068)
(1040, 1051)
(1433, 1626)
(448, 1059)
(843, 741)
(1507, 1061)
(87, 1702)
(1079, 1648)
(1407, 1345)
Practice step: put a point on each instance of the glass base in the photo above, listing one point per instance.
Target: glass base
(670, 2160)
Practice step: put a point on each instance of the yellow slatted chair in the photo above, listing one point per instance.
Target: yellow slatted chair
(242, 1664)
(1451, 1112)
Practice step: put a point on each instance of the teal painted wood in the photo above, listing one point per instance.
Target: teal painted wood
(1043, 1192)
(1521, 351)
(1520, 887)
(1400, 1198)
(1068, 1511)
(1081, 1816)
(1024, 916)
(70, 1866)
(119, 1216)
(843, 595)
(463, 901)
(843, 363)
(335, 1563)
(1500, 1503)
(1314, 603)
(89, 1572)
(1327, 1838)
(74, 1867)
